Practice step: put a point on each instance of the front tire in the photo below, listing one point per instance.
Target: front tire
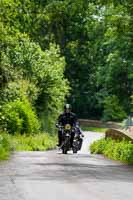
(64, 151)
(74, 150)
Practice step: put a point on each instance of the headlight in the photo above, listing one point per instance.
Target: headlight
(67, 127)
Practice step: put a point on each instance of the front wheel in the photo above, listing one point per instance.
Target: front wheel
(64, 151)
(74, 150)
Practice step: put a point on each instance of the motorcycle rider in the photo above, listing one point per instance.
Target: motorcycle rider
(67, 117)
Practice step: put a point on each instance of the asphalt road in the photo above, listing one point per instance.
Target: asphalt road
(54, 176)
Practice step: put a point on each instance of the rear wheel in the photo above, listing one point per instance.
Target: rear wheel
(74, 150)
(80, 143)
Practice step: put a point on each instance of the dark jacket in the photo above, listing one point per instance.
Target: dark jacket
(67, 118)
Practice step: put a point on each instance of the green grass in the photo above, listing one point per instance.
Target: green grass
(116, 150)
(93, 129)
(39, 142)
(5, 146)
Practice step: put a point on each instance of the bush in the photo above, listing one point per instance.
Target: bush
(117, 150)
(98, 146)
(18, 117)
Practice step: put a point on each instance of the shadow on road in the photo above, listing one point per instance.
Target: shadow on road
(81, 172)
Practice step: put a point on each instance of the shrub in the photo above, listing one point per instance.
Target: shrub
(98, 146)
(18, 117)
(117, 150)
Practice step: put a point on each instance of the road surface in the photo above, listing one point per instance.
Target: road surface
(54, 176)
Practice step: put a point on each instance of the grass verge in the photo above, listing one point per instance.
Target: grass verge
(93, 129)
(39, 142)
(116, 150)
(5, 146)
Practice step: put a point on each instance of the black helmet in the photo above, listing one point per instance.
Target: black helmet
(67, 106)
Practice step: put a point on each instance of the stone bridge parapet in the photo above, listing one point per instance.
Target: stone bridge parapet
(118, 134)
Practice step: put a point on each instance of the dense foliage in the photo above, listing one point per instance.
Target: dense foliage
(44, 43)
(117, 150)
(32, 83)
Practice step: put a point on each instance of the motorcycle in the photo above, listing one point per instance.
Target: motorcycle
(66, 139)
(77, 142)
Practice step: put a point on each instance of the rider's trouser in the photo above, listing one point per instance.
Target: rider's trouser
(59, 137)
(72, 137)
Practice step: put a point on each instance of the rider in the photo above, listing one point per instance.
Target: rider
(67, 117)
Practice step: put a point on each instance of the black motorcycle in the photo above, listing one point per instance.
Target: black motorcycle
(77, 142)
(67, 131)
(66, 138)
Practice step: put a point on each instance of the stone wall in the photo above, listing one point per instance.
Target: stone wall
(118, 134)
(98, 123)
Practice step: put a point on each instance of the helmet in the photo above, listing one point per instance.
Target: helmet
(67, 107)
